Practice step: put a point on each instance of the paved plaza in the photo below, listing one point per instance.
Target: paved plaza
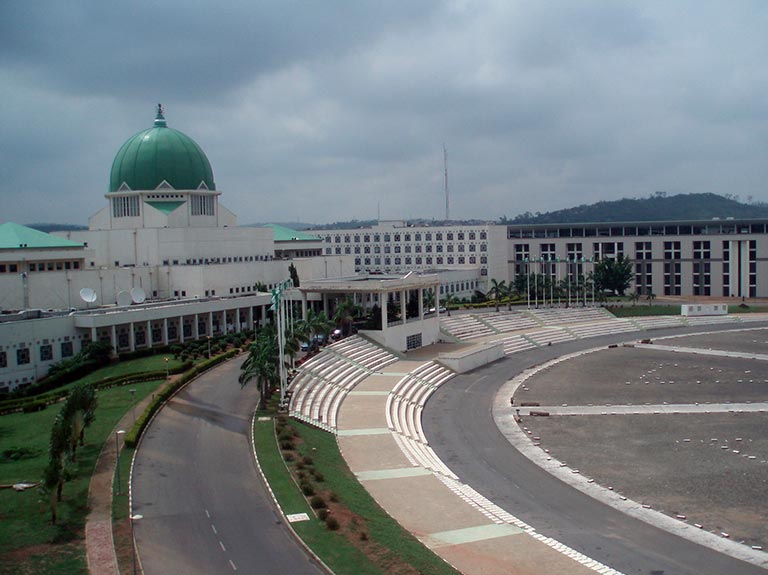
(683, 433)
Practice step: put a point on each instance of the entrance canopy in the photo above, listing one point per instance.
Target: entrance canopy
(398, 331)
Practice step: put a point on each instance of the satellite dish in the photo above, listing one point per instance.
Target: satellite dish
(123, 298)
(138, 295)
(88, 295)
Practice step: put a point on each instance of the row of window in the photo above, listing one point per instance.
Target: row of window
(418, 248)
(418, 260)
(216, 260)
(406, 237)
(45, 353)
(702, 250)
(714, 228)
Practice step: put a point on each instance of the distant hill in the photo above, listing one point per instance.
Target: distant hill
(658, 207)
(48, 228)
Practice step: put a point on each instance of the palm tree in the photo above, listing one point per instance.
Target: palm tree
(262, 364)
(450, 300)
(498, 289)
(346, 311)
(429, 299)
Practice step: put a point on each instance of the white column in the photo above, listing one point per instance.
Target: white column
(132, 337)
(113, 336)
(303, 306)
(237, 319)
(94, 335)
(195, 328)
(383, 299)
(224, 321)
(263, 316)
(403, 297)
(165, 331)
(249, 317)
(149, 334)
(210, 323)
(421, 304)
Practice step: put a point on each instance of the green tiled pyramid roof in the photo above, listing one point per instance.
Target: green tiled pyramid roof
(283, 234)
(15, 236)
(160, 154)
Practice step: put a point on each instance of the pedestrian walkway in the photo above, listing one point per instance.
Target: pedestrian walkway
(99, 544)
(457, 523)
(654, 409)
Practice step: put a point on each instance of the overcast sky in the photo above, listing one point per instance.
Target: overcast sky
(323, 111)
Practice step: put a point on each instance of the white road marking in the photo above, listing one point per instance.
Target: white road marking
(214, 529)
(208, 515)
(231, 564)
(222, 546)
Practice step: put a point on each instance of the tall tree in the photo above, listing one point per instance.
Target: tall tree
(498, 290)
(614, 275)
(262, 364)
(346, 312)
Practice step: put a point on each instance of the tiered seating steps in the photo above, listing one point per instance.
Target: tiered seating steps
(324, 380)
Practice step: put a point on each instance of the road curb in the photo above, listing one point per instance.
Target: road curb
(287, 523)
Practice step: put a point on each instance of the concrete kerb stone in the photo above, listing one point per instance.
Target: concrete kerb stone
(505, 421)
(279, 509)
(141, 439)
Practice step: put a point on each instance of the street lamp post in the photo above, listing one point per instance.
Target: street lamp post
(118, 433)
(528, 281)
(209, 347)
(167, 370)
(133, 403)
(133, 518)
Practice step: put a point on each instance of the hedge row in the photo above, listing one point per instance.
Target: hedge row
(133, 436)
(40, 402)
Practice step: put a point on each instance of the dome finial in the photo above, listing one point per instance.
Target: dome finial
(160, 118)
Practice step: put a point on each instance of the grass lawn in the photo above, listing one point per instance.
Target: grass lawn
(371, 542)
(29, 543)
(643, 310)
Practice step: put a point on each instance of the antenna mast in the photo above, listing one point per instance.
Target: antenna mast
(445, 166)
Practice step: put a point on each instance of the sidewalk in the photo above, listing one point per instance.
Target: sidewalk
(457, 523)
(99, 545)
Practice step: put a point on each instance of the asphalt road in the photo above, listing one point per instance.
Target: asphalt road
(205, 509)
(459, 426)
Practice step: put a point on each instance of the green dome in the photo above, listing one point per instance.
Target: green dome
(157, 154)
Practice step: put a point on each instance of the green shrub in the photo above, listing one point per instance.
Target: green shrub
(308, 460)
(332, 523)
(322, 514)
(333, 497)
(34, 406)
(317, 502)
(319, 477)
(307, 489)
(286, 445)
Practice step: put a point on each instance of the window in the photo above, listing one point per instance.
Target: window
(46, 352)
(202, 205)
(22, 356)
(3, 359)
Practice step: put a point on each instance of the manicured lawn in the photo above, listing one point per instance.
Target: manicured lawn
(29, 543)
(394, 549)
(644, 310)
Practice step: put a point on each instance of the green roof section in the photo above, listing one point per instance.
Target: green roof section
(16, 236)
(283, 234)
(165, 207)
(160, 154)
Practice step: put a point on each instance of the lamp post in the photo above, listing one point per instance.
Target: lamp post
(209, 347)
(528, 281)
(136, 517)
(167, 372)
(133, 403)
(118, 433)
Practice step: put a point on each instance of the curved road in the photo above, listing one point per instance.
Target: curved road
(459, 426)
(205, 509)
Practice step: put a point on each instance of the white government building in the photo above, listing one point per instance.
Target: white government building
(164, 261)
